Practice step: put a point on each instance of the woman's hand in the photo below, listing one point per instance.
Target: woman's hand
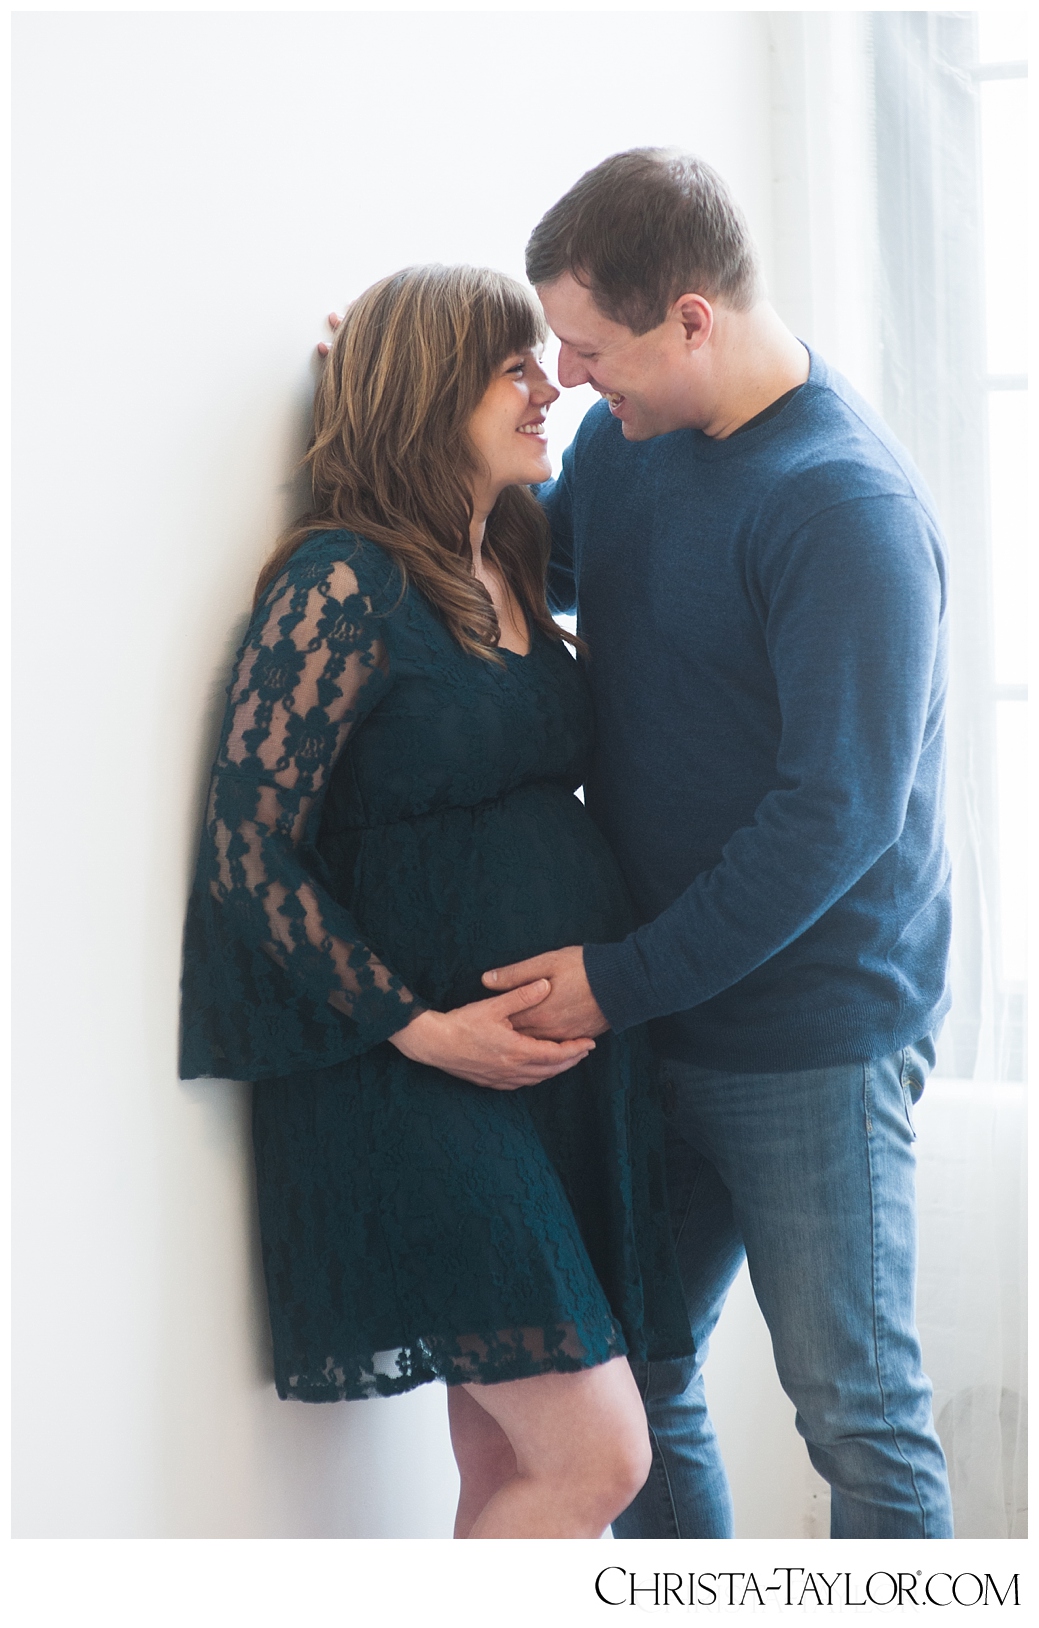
(333, 323)
(478, 1042)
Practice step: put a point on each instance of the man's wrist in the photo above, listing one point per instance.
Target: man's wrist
(618, 983)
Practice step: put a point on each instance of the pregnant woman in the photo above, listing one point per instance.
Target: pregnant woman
(391, 812)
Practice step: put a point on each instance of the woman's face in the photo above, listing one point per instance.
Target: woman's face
(507, 430)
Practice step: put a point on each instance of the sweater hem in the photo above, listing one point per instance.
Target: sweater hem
(824, 1040)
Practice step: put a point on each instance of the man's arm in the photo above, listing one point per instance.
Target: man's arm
(556, 501)
(851, 610)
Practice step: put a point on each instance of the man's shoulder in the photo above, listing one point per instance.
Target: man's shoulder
(827, 448)
(844, 451)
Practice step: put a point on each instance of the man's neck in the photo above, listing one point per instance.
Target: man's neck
(755, 360)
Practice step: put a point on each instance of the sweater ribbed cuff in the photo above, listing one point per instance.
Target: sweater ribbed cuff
(619, 983)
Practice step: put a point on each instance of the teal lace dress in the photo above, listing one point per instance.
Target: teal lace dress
(388, 817)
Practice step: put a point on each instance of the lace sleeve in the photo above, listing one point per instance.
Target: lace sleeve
(276, 977)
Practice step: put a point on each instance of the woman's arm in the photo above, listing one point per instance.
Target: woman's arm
(277, 975)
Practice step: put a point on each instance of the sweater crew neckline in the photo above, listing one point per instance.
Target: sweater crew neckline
(753, 434)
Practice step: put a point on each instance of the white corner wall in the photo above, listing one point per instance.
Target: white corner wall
(193, 193)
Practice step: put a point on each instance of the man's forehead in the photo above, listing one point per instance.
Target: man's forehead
(573, 314)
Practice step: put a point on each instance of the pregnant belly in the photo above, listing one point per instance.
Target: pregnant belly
(444, 896)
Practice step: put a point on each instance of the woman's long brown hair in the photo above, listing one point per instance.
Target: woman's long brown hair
(391, 459)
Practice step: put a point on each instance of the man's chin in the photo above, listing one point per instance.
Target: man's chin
(643, 427)
(630, 419)
(632, 430)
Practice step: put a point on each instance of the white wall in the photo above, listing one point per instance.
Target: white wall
(193, 193)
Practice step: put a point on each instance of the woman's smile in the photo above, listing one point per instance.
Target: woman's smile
(536, 427)
(507, 429)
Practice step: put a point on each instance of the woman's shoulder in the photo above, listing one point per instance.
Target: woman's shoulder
(344, 563)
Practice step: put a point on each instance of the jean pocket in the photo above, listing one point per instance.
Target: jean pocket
(911, 1081)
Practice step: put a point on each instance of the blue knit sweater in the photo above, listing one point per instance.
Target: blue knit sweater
(766, 623)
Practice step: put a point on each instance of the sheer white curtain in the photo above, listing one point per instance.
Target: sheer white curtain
(899, 197)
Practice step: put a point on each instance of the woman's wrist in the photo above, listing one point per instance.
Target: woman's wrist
(417, 1039)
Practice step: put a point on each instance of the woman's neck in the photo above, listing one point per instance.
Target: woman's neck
(477, 532)
(514, 632)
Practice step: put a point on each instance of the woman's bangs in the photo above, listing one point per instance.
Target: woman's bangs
(523, 327)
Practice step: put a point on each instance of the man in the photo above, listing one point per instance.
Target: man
(760, 577)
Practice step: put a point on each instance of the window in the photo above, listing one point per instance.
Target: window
(1001, 73)
(951, 180)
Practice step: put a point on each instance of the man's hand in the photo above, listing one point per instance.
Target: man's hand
(570, 1012)
(480, 1042)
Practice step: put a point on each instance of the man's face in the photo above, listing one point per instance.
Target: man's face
(643, 376)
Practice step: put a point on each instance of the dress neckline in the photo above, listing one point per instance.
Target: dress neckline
(524, 655)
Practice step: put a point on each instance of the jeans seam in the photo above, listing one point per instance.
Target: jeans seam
(680, 1229)
(659, 1460)
(662, 1461)
(875, 1289)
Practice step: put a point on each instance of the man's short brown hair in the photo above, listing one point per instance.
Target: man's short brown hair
(642, 228)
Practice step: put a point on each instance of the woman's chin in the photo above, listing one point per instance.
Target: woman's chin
(541, 468)
(529, 471)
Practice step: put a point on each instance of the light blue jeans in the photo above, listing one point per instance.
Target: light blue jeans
(812, 1174)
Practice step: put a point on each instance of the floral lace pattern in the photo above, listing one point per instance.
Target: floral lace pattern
(275, 969)
(389, 816)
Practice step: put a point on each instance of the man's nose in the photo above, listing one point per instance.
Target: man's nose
(570, 370)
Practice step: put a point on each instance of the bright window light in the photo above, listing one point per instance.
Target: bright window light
(1002, 48)
(1012, 788)
(1002, 36)
(1004, 150)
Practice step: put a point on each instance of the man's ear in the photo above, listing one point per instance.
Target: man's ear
(697, 318)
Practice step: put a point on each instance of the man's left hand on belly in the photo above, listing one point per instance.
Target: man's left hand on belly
(570, 1012)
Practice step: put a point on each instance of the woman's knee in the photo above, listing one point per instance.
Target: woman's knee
(609, 1446)
(624, 1465)
(583, 1434)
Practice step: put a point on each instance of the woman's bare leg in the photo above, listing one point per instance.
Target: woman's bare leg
(482, 1452)
(581, 1451)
